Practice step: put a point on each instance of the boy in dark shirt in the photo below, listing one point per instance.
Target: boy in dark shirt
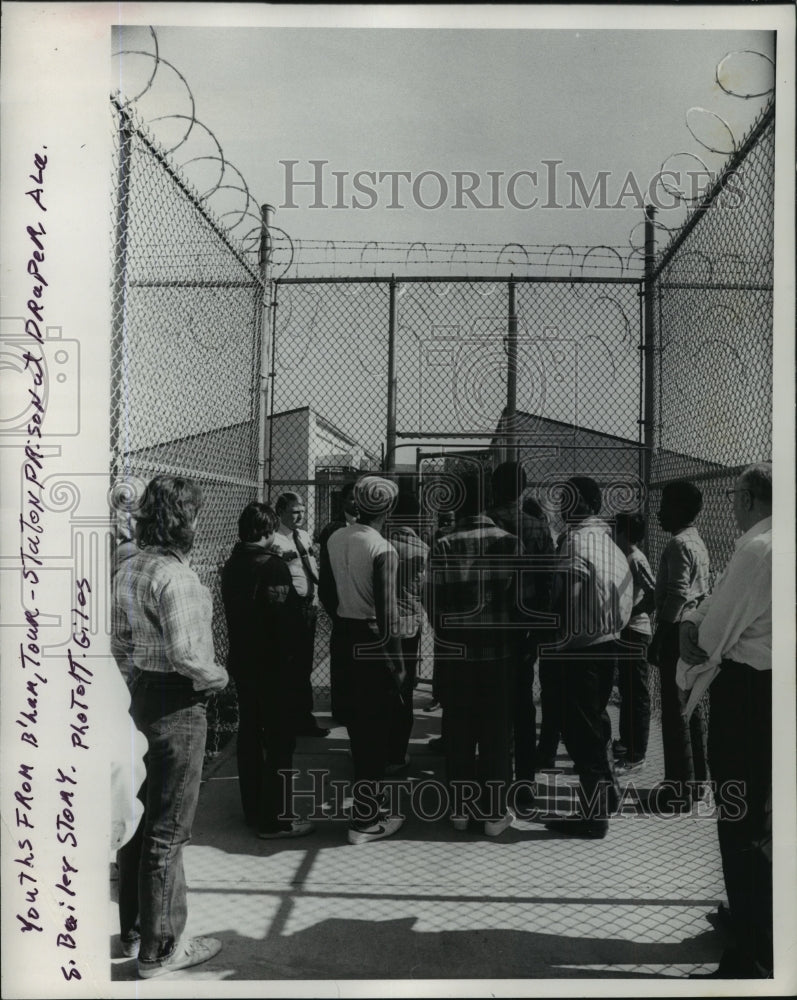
(255, 586)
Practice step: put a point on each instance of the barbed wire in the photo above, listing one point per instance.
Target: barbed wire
(230, 220)
(243, 221)
(695, 202)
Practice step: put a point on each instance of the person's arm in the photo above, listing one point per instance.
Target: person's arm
(543, 579)
(186, 621)
(432, 586)
(678, 563)
(327, 589)
(644, 578)
(571, 595)
(121, 640)
(386, 607)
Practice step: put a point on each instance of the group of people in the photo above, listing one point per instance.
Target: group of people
(501, 595)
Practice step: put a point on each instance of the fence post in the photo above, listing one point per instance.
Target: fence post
(511, 374)
(649, 352)
(118, 319)
(390, 439)
(263, 305)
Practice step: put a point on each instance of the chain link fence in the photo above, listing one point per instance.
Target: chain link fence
(712, 310)
(406, 374)
(185, 365)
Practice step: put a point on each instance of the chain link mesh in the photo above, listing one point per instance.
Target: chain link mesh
(577, 404)
(713, 325)
(185, 359)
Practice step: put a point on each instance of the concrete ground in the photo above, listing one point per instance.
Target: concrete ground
(431, 903)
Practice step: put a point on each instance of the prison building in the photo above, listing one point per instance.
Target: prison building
(314, 458)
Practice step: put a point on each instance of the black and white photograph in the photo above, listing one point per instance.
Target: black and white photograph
(397, 408)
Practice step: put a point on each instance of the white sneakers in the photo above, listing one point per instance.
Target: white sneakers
(192, 951)
(495, 827)
(298, 828)
(492, 827)
(383, 827)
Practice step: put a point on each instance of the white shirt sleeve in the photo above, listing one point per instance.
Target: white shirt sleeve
(742, 594)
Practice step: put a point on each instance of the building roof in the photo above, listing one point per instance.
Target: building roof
(327, 425)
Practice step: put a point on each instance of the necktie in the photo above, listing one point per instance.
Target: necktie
(308, 569)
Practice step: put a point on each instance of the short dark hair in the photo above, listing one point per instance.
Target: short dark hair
(165, 517)
(588, 490)
(632, 525)
(758, 479)
(406, 505)
(509, 481)
(287, 498)
(256, 521)
(685, 495)
(472, 494)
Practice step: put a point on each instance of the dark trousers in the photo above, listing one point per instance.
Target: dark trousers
(632, 680)
(740, 751)
(374, 700)
(339, 674)
(304, 653)
(586, 679)
(685, 743)
(551, 708)
(525, 718)
(403, 717)
(266, 742)
(173, 718)
(479, 716)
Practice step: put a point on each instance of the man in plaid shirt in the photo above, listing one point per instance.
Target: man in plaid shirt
(163, 643)
(473, 576)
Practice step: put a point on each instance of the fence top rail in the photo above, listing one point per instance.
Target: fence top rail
(462, 279)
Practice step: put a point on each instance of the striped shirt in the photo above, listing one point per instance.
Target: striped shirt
(162, 619)
(413, 554)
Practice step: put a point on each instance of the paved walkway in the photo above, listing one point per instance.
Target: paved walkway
(432, 903)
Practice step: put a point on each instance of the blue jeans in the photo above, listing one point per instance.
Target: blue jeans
(173, 718)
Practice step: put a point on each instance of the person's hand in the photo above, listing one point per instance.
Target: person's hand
(691, 652)
(399, 675)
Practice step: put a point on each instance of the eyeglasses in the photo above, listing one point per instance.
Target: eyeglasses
(731, 493)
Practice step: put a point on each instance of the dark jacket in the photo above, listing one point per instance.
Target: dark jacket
(260, 620)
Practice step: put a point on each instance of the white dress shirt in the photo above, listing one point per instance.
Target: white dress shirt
(735, 620)
(283, 543)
